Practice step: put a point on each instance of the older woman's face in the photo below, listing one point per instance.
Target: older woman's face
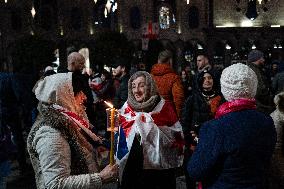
(139, 88)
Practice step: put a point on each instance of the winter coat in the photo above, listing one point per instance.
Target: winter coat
(277, 169)
(121, 92)
(263, 98)
(169, 85)
(234, 151)
(60, 154)
(197, 111)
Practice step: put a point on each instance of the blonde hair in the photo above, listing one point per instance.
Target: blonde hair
(165, 56)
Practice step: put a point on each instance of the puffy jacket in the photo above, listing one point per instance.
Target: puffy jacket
(169, 85)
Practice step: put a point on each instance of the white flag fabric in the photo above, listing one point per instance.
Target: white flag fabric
(160, 132)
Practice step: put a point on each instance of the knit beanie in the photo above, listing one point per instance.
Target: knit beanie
(238, 81)
(255, 55)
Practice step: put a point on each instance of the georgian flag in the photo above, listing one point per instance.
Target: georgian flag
(160, 132)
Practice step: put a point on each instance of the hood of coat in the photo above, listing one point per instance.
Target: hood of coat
(58, 89)
(161, 69)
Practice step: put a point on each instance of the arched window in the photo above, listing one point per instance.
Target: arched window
(164, 17)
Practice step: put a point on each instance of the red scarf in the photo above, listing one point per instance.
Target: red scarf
(75, 117)
(235, 105)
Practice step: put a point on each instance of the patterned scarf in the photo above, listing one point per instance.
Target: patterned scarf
(235, 105)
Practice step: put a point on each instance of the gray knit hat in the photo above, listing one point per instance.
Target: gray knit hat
(255, 55)
(238, 81)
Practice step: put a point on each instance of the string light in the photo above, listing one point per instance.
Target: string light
(33, 12)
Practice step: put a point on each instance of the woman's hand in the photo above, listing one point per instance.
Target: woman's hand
(109, 173)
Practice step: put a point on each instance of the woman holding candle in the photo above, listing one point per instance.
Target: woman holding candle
(153, 137)
(59, 141)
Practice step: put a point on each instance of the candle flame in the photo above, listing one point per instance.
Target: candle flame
(109, 104)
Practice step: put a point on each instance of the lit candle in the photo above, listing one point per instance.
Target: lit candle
(112, 136)
(112, 127)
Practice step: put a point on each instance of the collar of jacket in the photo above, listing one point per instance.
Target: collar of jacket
(161, 69)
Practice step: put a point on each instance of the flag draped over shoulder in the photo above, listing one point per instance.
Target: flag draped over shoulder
(160, 132)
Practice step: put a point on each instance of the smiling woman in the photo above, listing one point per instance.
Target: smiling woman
(138, 88)
(153, 137)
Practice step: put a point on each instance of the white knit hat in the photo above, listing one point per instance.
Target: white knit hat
(238, 81)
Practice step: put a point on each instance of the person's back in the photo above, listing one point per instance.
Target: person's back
(168, 82)
(246, 141)
(235, 149)
(256, 62)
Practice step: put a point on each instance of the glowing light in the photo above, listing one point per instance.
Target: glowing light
(33, 12)
(114, 7)
(246, 23)
(253, 46)
(91, 30)
(228, 46)
(95, 1)
(61, 31)
(6, 1)
(199, 46)
(275, 46)
(179, 29)
(275, 26)
(105, 12)
(108, 5)
(259, 1)
(109, 104)
(187, 2)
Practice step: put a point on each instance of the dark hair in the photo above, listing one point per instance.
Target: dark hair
(106, 74)
(48, 73)
(78, 83)
(201, 78)
(205, 55)
(123, 62)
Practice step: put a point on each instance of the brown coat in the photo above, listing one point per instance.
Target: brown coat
(169, 85)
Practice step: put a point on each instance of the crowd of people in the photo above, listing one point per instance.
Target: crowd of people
(221, 128)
